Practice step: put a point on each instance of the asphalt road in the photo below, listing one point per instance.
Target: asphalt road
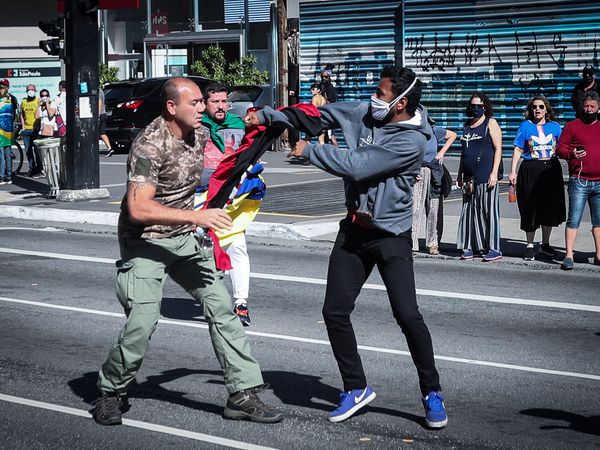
(517, 347)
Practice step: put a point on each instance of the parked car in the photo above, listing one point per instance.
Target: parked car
(133, 104)
(241, 98)
(118, 92)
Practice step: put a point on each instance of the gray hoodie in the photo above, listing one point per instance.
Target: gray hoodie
(380, 165)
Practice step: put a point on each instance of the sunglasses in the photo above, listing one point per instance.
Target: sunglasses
(534, 107)
(476, 105)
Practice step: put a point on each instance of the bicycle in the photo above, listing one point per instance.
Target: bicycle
(17, 158)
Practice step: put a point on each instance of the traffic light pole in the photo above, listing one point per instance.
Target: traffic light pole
(81, 158)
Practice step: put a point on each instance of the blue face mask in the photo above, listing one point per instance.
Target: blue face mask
(477, 110)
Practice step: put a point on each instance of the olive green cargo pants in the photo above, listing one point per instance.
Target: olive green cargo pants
(141, 273)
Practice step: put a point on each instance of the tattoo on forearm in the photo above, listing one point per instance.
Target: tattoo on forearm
(136, 186)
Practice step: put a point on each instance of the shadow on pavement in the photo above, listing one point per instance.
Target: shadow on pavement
(85, 388)
(575, 422)
(291, 388)
(30, 185)
(301, 389)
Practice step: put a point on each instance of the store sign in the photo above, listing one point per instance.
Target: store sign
(44, 74)
(160, 23)
(104, 4)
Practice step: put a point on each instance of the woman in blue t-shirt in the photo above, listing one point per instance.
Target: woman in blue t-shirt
(540, 187)
(481, 140)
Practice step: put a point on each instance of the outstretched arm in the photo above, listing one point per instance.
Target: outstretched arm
(365, 162)
(331, 116)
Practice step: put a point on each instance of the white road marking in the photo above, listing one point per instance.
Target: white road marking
(135, 424)
(320, 281)
(445, 294)
(113, 185)
(57, 255)
(285, 337)
(51, 229)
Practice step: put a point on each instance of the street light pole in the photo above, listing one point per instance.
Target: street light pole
(246, 27)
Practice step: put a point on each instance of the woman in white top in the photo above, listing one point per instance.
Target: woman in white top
(45, 113)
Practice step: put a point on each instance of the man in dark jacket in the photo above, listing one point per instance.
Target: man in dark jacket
(386, 140)
(588, 83)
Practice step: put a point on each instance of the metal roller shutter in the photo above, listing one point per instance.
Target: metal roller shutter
(510, 50)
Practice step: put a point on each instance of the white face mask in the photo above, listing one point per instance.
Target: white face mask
(380, 108)
(30, 93)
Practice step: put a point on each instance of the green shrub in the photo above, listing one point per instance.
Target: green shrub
(212, 65)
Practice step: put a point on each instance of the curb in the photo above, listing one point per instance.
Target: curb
(60, 215)
(299, 232)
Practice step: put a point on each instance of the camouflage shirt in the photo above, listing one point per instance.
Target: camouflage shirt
(173, 166)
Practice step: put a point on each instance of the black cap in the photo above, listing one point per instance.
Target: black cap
(589, 71)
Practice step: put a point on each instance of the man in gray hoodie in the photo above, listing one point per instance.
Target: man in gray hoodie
(386, 143)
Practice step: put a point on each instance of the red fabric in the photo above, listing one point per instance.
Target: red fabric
(223, 173)
(359, 220)
(222, 260)
(223, 170)
(307, 108)
(217, 180)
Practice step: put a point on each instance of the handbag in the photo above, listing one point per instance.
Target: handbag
(60, 124)
(468, 186)
(447, 182)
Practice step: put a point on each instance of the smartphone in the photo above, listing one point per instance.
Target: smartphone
(579, 151)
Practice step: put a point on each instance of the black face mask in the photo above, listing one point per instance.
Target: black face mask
(589, 117)
(476, 111)
(588, 78)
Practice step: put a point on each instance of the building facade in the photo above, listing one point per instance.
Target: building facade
(509, 50)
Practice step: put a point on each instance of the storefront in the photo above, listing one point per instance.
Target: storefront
(163, 37)
(510, 50)
(172, 55)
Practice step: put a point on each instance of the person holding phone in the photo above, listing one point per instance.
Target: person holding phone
(46, 114)
(580, 146)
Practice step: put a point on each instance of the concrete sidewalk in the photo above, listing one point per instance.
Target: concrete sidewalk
(25, 200)
(513, 242)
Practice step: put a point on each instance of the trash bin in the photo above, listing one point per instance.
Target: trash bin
(49, 148)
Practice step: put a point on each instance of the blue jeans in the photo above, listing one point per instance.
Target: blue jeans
(5, 163)
(580, 192)
(32, 157)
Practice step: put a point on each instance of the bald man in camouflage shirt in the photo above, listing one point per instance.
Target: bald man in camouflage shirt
(156, 238)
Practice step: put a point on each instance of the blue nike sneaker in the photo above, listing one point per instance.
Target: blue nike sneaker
(350, 402)
(435, 411)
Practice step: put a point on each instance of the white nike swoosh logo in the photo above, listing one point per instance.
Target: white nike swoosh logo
(359, 399)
